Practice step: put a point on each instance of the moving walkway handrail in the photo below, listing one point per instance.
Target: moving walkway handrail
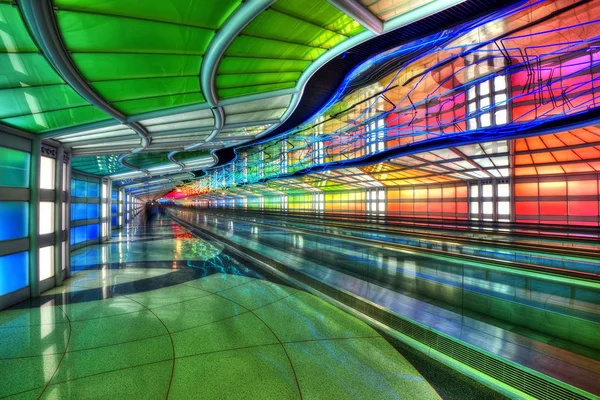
(475, 227)
(532, 248)
(512, 267)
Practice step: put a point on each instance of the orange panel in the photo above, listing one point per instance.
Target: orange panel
(526, 189)
(583, 188)
(449, 192)
(461, 192)
(420, 193)
(435, 193)
(553, 188)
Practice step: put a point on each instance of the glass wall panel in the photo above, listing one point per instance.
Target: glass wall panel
(14, 272)
(46, 262)
(47, 167)
(14, 168)
(14, 216)
(46, 222)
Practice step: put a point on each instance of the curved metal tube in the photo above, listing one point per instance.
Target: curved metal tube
(40, 18)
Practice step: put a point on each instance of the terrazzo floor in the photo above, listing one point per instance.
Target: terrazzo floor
(159, 313)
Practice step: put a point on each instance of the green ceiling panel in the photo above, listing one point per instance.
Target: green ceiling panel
(111, 66)
(142, 88)
(248, 46)
(26, 69)
(133, 107)
(52, 120)
(239, 80)
(31, 100)
(101, 33)
(290, 31)
(207, 14)
(15, 37)
(146, 160)
(273, 25)
(320, 13)
(33, 97)
(99, 165)
(242, 91)
(232, 65)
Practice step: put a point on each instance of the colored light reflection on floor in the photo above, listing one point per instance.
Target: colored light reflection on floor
(135, 331)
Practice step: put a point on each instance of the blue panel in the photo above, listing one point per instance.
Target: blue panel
(14, 272)
(78, 234)
(113, 208)
(93, 211)
(14, 219)
(93, 190)
(78, 188)
(114, 221)
(92, 232)
(78, 211)
(115, 195)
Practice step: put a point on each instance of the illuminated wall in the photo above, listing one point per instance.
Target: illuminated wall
(89, 209)
(501, 75)
(504, 74)
(34, 211)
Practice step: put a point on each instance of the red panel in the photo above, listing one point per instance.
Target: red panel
(462, 207)
(421, 207)
(435, 207)
(583, 208)
(553, 207)
(526, 207)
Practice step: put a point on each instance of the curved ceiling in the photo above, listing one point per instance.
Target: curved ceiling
(143, 89)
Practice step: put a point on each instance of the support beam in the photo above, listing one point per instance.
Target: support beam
(219, 44)
(58, 211)
(360, 14)
(39, 17)
(34, 218)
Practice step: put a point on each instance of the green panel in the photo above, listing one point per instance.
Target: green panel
(15, 38)
(14, 168)
(187, 155)
(157, 103)
(239, 80)
(99, 165)
(146, 160)
(273, 25)
(232, 65)
(52, 120)
(142, 88)
(320, 13)
(26, 69)
(208, 14)
(99, 33)
(30, 100)
(247, 46)
(242, 91)
(101, 67)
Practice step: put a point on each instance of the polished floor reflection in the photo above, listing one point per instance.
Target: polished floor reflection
(159, 313)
